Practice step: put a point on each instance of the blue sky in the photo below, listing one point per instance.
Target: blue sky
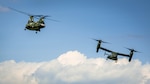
(123, 23)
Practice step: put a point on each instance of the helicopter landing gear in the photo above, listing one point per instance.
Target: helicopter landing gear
(115, 61)
(37, 31)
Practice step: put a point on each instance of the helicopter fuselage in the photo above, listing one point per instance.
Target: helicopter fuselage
(35, 26)
(113, 56)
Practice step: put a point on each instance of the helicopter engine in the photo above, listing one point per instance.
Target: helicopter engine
(130, 56)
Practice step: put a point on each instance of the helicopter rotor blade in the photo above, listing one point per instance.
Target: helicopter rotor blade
(42, 16)
(131, 49)
(95, 39)
(52, 19)
(137, 51)
(100, 41)
(45, 17)
(28, 13)
(20, 11)
(105, 42)
(128, 48)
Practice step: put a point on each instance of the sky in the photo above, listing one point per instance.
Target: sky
(122, 23)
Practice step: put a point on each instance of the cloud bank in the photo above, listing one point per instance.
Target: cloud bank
(74, 67)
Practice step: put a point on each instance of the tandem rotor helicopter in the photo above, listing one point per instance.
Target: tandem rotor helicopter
(34, 25)
(114, 55)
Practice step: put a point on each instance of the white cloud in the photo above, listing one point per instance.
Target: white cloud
(71, 58)
(75, 68)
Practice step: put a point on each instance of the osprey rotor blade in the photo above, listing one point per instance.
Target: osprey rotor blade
(137, 51)
(128, 48)
(100, 41)
(95, 39)
(105, 42)
(131, 49)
